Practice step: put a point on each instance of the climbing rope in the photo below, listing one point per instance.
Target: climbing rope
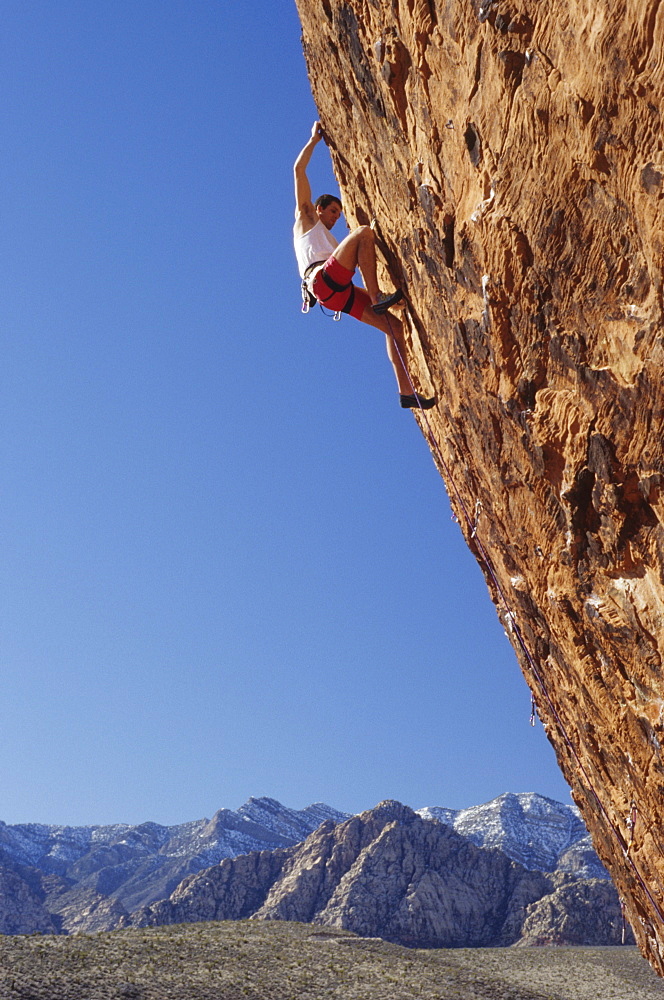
(513, 626)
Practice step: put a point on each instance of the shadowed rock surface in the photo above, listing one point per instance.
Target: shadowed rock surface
(22, 909)
(512, 153)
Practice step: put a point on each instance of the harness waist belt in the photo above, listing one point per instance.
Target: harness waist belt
(312, 267)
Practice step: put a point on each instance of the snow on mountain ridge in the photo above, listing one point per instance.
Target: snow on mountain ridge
(259, 824)
(537, 832)
(32, 843)
(287, 822)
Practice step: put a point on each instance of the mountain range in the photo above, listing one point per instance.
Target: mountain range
(527, 855)
(88, 877)
(391, 873)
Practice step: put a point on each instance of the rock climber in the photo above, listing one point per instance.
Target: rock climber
(327, 267)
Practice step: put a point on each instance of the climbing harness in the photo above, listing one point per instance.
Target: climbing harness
(513, 626)
(308, 297)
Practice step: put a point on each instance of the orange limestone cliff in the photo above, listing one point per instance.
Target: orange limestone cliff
(512, 153)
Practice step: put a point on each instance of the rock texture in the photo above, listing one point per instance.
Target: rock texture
(581, 913)
(513, 154)
(389, 873)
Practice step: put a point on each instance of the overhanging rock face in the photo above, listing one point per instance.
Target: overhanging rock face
(513, 156)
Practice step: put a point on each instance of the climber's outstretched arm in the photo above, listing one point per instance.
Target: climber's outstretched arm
(304, 209)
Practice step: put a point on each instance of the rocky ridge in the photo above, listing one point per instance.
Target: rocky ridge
(535, 831)
(88, 878)
(392, 874)
(513, 154)
(85, 878)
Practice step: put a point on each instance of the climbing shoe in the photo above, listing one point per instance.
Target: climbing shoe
(416, 402)
(386, 301)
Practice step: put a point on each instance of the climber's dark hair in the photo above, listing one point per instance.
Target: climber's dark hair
(325, 200)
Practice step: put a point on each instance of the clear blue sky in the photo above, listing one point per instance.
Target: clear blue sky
(228, 563)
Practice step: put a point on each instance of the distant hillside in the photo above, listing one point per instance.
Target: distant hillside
(393, 874)
(537, 832)
(62, 878)
(57, 879)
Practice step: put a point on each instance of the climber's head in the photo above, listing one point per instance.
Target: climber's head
(328, 209)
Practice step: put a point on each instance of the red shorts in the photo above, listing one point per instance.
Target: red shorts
(339, 293)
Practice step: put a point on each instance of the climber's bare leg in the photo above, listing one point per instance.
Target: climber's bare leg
(395, 342)
(359, 250)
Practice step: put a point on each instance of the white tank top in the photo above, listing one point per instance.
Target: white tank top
(317, 244)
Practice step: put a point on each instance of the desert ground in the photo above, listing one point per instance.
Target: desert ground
(252, 960)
